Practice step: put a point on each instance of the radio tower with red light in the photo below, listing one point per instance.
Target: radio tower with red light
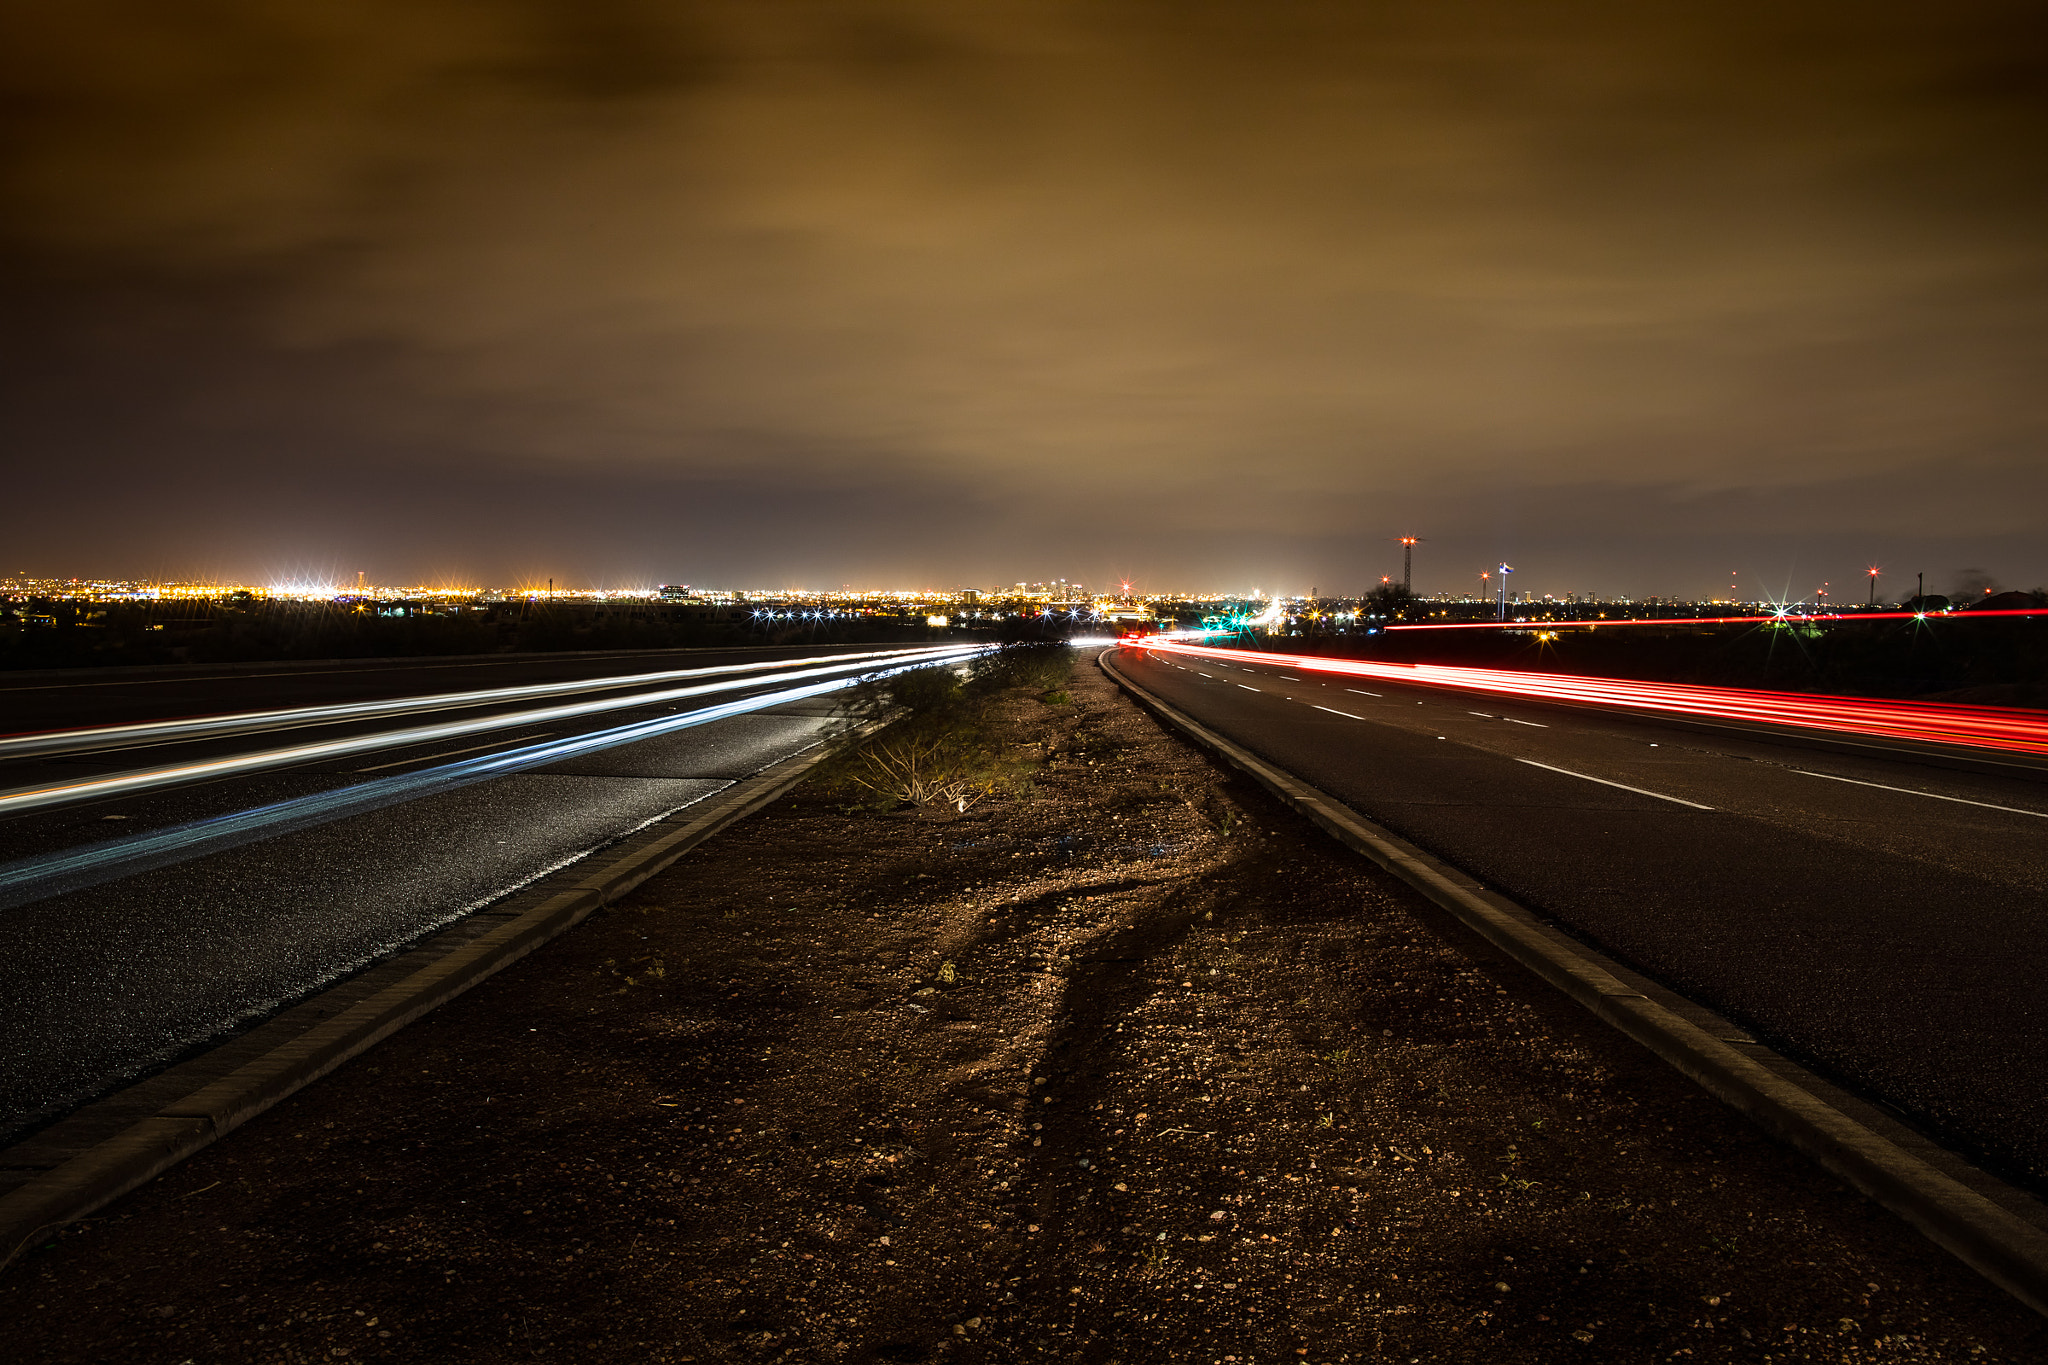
(1408, 544)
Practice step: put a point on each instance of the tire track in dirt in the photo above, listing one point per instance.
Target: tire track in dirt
(1133, 1067)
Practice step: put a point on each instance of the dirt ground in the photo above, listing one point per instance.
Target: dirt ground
(1132, 1065)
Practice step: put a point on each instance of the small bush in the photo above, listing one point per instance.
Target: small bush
(1036, 668)
(942, 751)
(918, 771)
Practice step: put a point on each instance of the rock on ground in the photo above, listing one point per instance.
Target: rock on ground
(1135, 1066)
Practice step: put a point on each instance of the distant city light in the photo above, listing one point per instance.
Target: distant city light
(1054, 604)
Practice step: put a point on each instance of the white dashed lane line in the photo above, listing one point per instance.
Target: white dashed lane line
(1335, 712)
(1933, 796)
(1584, 777)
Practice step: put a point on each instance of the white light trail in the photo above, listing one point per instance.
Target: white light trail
(72, 869)
(256, 722)
(234, 765)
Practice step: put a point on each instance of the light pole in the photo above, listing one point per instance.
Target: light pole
(1501, 590)
(1408, 544)
(1873, 588)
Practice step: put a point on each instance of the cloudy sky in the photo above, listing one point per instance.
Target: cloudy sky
(921, 291)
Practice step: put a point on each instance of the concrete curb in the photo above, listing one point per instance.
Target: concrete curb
(112, 1167)
(2005, 1249)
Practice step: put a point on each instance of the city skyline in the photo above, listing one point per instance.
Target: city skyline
(901, 292)
(1968, 585)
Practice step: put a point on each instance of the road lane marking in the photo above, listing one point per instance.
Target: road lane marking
(449, 753)
(1481, 714)
(1936, 796)
(1362, 694)
(1335, 712)
(1210, 676)
(1639, 791)
(1287, 678)
(1248, 687)
(1532, 724)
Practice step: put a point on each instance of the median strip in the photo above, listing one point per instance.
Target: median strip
(864, 1085)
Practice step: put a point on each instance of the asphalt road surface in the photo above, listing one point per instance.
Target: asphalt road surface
(1878, 915)
(142, 921)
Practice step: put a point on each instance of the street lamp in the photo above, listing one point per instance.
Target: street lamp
(1873, 586)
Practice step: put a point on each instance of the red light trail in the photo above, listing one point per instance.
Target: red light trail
(1787, 618)
(1983, 727)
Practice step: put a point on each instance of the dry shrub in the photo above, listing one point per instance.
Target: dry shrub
(919, 771)
(943, 749)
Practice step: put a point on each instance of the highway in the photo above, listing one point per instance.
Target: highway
(1876, 911)
(180, 869)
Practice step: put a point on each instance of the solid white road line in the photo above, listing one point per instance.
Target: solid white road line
(1678, 801)
(1935, 796)
(1335, 712)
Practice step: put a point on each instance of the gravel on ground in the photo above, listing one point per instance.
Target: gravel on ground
(1125, 1064)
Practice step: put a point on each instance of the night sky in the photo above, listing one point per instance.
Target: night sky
(1210, 296)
